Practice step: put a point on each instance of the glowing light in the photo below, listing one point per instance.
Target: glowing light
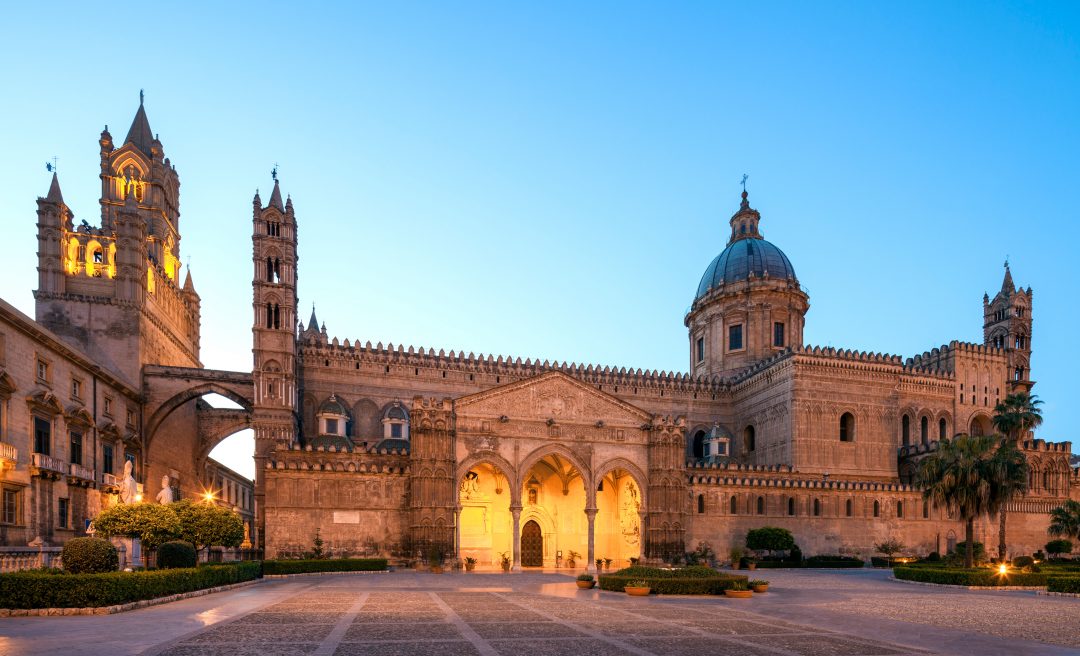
(138, 498)
(208, 496)
(1003, 569)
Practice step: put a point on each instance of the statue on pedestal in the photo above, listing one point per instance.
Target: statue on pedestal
(129, 489)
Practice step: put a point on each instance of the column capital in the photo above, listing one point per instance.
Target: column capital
(591, 512)
(517, 509)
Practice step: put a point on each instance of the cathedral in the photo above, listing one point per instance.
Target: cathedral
(395, 450)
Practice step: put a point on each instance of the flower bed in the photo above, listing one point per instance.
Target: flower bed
(49, 589)
(687, 581)
(980, 577)
(276, 567)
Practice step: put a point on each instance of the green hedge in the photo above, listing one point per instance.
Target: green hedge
(1063, 584)
(687, 581)
(986, 577)
(324, 565)
(833, 562)
(41, 589)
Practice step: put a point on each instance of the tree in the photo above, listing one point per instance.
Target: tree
(769, 538)
(890, 547)
(1065, 520)
(1014, 417)
(207, 525)
(152, 523)
(968, 475)
(1057, 547)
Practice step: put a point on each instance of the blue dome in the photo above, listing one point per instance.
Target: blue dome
(741, 260)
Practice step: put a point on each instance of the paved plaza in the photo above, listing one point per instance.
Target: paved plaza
(536, 614)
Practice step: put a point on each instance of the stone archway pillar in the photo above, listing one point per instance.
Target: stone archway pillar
(457, 533)
(515, 512)
(590, 566)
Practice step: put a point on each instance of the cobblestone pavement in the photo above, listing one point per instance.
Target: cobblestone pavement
(533, 614)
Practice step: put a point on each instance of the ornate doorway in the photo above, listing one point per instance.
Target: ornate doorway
(532, 545)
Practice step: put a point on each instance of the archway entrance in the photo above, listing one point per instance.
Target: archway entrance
(532, 545)
(485, 524)
(618, 518)
(553, 500)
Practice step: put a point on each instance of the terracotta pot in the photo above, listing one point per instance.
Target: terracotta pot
(506, 568)
(470, 567)
(436, 569)
(751, 566)
(637, 592)
(761, 588)
(738, 594)
(585, 585)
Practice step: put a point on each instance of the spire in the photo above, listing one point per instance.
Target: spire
(188, 285)
(275, 198)
(313, 323)
(140, 133)
(1007, 284)
(54, 191)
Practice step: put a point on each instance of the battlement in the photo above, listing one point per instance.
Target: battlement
(779, 476)
(1049, 447)
(363, 460)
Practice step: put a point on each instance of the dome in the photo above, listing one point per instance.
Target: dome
(745, 258)
(332, 406)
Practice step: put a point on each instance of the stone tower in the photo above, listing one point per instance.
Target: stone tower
(273, 239)
(749, 304)
(1007, 325)
(113, 290)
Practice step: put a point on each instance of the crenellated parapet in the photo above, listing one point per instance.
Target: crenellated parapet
(363, 460)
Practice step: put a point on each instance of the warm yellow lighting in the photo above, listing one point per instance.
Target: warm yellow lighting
(138, 498)
(208, 496)
(1003, 569)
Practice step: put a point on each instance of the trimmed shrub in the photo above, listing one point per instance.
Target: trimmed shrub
(39, 589)
(981, 577)
(89, 556)
(695, 580)
(833, 562)
(1057, 547)
(1023, 561)
(271, 567)
(1064, 584)
(769, 538)
(176, 554)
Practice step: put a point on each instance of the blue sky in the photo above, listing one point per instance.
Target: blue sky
(551, 180)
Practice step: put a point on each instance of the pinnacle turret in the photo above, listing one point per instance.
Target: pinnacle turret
(1007, 285)
(140, 134)
(54, 195)
(275, 197)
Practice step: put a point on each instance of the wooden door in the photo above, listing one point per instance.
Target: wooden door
(532, 545)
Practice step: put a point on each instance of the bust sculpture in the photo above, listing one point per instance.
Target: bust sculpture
(165, 496)
(129, 489)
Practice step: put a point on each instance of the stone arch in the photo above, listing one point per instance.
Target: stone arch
(640, 479)
(540, 453)
(980, 424)
(367, 420)
(167, 407)
(498, 462)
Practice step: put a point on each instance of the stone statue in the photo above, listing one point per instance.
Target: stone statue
(166, 494)
(129, 489)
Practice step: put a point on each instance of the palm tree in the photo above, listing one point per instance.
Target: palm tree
(1065, 520)
(971, 476)
(1013, 418)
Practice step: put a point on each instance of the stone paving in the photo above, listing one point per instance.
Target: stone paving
(534, 614)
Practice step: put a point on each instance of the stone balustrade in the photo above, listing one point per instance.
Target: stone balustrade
(45, 465)
(15, 559)
(8, 452)
(82, 473)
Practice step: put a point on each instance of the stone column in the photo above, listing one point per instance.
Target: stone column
(457, 533)
(590, 566)
(515, 511)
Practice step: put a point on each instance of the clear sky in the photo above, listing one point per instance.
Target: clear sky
(551, 179)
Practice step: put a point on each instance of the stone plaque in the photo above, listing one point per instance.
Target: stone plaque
(346, 516)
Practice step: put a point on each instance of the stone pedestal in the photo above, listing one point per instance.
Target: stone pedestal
(130, 552)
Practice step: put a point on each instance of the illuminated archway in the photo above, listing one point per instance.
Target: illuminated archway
(619, 504)
(554, 495)
(485, 525)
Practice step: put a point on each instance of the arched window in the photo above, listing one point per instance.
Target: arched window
(905, 431)
(761, 505)
(849, 508)
(748, 438)
(941, 429)
(877, 509)
(924, 430)
(847, 427)
(734, 505)
(900, 509)
(926, 510)
(791, 506)
(698, 447)
(701, 504)
(817, 507)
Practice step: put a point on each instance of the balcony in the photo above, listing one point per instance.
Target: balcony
(9, 456)
(109, 483)
(47, 466)
(79, 475)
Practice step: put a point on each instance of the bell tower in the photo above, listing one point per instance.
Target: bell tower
(1007, 325)
(273, 239)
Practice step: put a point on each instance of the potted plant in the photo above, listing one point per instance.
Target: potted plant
(435, 560)
(634, 562)
(738, 590)
(759, 585)
(607, 563)
(638, 588)
(504, 561)
(599, 564)
(748, 562)
(470, 563)
(736, 554)
(585, 581)
(571, 559)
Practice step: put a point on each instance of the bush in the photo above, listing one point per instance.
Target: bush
(89, 556)
(769, 538)
(152, 523)
(1057, 547)
(1064, 584)
(1023, 561)
(323, 565)
(207, 525)
(833, 562)
(176, 554)
(585, 577)
(979, 552)
(981, 577)
(934, 557)
(40, 589)
(688, 580)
